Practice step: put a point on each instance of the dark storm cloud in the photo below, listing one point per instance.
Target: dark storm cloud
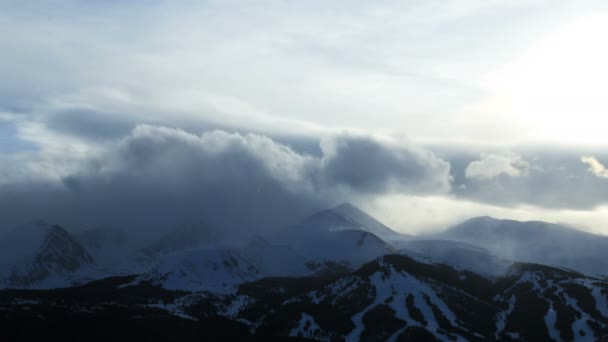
(158, 177)
(372, 166)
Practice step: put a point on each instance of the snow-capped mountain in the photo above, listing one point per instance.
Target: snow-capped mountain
(460, 255)
(535, 241)
(116, 253)
(274, 260)
(323, 243)
(348, 217)
(218, 270)
(222, 269)
(335, 235)
(330, 277)
(350, 247)
(38, 252)
(393, 298)
(355, 218)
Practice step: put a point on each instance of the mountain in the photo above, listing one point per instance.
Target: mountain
(38, 252)
(327, 242)
(274, 260)
(116, 253)
(362, 221)
(349, 247)
(536, 242)
(223, 269)
(335, 235)
(217, 270)
(460, 255)
(330, 277)
(348, 217)
(392, 298)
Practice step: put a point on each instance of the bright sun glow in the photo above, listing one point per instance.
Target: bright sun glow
(559, 87)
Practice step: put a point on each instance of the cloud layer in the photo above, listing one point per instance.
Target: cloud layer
(546, 178)
(156, 177)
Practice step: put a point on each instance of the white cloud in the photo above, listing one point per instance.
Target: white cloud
(491, 166)
(389, 65)
(595, 166)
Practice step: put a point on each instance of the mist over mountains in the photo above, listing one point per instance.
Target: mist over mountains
(375, 281)
(186, 170)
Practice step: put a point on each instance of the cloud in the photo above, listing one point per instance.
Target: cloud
(595, 167)
(542, 177)
(89, 124)
(157, 177)
(192, 60)
(380, 167)
(491, 166)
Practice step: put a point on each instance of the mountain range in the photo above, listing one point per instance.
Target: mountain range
(337, 275)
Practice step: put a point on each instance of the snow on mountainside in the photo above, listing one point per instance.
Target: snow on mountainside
(348, 246)
(347, 216)
(393, 298)
(276, 260)
(535, 241)
(326, 242)
(457, 254)
(116, 253)
(335, 235)
(363, 221)
(396, 298)
(36, 252)
(217, 270)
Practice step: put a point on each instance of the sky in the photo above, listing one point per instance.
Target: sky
(252, 115)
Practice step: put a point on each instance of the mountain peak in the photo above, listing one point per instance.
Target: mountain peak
(346, 206)
(348, 216)
(36, 251)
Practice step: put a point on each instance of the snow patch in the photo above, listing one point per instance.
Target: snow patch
(308, 328)
(501, 318)
(550, 322)
(399, 285)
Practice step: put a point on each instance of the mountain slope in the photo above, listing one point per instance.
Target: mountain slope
(396, 298)
(274, 260)
(37, 252)
(217, 270)
(335, 235)
(116, 253)
(363, 221)
(393, 298)
(535, 241)
(347, 216)
(457, 254)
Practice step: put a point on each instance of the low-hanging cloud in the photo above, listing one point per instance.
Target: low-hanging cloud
(157, 177)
